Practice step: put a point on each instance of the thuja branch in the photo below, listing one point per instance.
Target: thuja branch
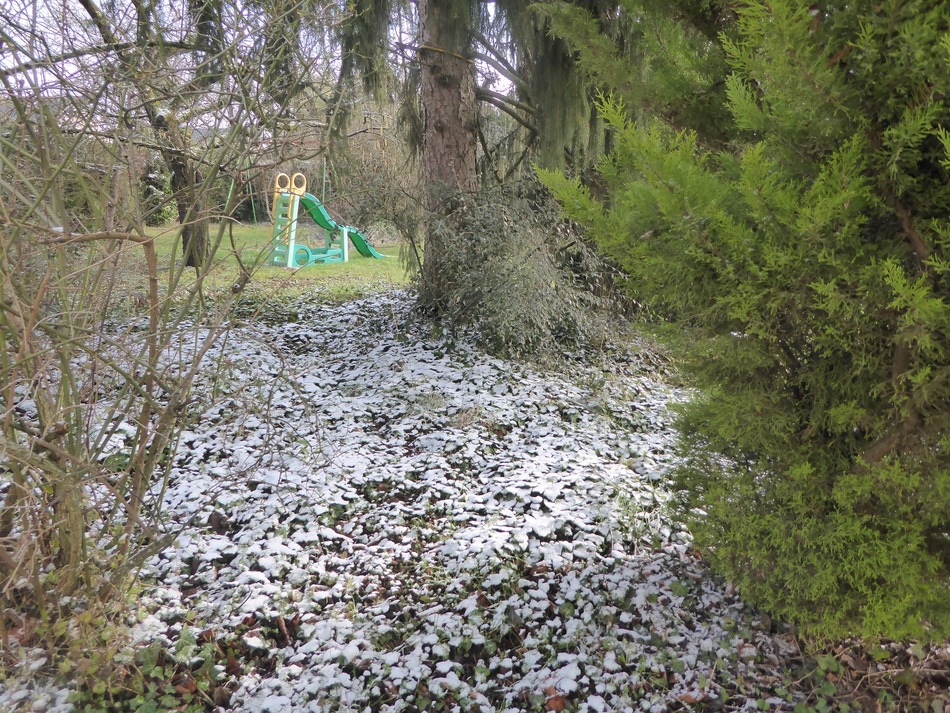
(913, 235)
(903, 355)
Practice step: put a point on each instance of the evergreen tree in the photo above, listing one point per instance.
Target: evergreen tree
(448, 111)
(803, 258)
(550, 99)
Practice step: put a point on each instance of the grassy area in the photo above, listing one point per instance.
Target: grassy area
(251, 246)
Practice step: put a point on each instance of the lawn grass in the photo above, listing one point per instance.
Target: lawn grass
(250, 244)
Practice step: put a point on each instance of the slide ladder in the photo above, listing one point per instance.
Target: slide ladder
(287, 193)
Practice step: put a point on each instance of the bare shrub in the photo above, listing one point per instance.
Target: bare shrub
(519, 275)
(99, 352)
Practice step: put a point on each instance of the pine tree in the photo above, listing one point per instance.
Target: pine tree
(448, 142)
(803, 260)
(550, 99)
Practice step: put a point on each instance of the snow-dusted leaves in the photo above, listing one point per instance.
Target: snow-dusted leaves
(385, 521)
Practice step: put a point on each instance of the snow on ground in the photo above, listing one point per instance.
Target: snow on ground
(385, 520)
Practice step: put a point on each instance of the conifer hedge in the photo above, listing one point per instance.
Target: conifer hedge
(805, 264)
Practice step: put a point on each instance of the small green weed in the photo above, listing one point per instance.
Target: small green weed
(152, 678)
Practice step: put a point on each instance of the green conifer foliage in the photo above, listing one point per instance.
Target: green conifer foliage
(806, 270)
(664, 55)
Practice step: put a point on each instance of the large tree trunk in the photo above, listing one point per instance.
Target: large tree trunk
(187, 189)
(186, 184)
(449, 138)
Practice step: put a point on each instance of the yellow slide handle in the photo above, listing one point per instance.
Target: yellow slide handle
(296, 185)
(286, 184)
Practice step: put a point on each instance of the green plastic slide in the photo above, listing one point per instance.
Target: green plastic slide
(320, 216)
(362, 244)
(316, 210)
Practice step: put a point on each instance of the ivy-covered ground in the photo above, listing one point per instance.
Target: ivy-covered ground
(372, 517)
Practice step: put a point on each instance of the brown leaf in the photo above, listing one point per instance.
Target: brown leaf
(206, 636)
(232, 667)
(282, 626)
(189, 686)
(222, 696)
(218, 523)
(293, 625)
(556, 701)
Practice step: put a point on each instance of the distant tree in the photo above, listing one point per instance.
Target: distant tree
(187, 78)
(801, 248)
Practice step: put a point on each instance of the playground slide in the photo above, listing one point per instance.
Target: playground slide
(362, 244)
(316, 210)
(320, 216)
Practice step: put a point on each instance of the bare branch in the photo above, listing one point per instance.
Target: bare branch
(485, 93)
(503, 71)
(116, 48)
(499, 57)
(497, 102)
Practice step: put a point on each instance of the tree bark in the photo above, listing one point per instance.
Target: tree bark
(185, 179)
(186, 187)
(449, 123)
